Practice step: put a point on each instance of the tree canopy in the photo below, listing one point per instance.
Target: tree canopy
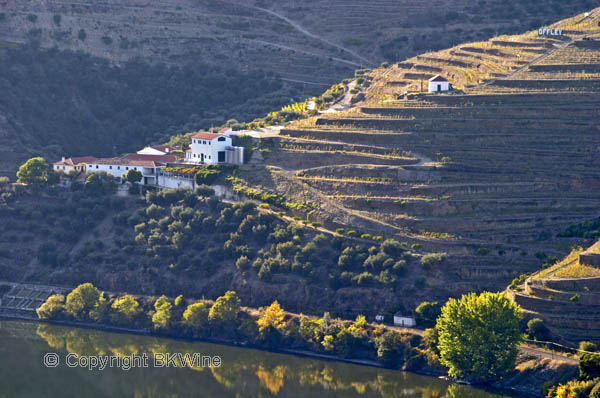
(34, 171)
(225, 308)
(125, 308)
(133, 176)
(271, 317)
(82, 299)
(162, 316)
(479, 335)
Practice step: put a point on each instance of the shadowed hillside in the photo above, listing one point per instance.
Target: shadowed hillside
(318, 41)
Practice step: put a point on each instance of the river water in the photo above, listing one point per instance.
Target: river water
(243, 373)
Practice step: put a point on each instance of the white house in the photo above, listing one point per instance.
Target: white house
(404, 320)
(119, 167)
(78, 164)
(212, 148)
(437, 84)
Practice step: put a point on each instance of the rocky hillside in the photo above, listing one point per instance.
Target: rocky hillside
(317, 41)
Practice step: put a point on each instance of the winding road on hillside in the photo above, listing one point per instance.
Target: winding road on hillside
(304, 31)
(299, 28)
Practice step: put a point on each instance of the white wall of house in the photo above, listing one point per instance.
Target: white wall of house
(404, 321)
(208, 151)
(63, 168)
(114, 169)
(435, 87)
(119, 171)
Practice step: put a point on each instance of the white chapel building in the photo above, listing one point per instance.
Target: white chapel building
(437, 84)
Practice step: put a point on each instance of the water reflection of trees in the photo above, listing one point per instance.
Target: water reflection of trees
(255, 373)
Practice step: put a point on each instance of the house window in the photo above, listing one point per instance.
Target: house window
(204, 142)
(221, 138)
(126, 168)
(110, 167)
(135, 168)
(118, 167)
(221, 157)
(89, 165)
(96, 166)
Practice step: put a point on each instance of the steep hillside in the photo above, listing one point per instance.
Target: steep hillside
(318, 41)
(489, 173)
(179, 241)
(63, 103)
(565, 296)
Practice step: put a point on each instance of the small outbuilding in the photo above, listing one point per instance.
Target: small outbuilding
(437, 84)
(404, 320)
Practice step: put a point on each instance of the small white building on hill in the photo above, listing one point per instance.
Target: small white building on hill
(437, 84)
(213, 148)
(405, 320)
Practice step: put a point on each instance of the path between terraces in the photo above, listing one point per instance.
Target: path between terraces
(272, 131)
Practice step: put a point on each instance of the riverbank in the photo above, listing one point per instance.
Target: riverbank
(243, 372)
(497, 388)
(354, 342)
(237, 344)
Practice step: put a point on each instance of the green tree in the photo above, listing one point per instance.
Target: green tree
(392, 350)
(125, 309)
(4, 182)
(479, 336)
(195, 316)
(133, 176)
(271, 317)
(536, 329)
(427, 312)
(589, 366)
(225, 308)
(53, 306)
(33, 171)
(179, 300)
(82, 299)
(162, 314)
(100, 308)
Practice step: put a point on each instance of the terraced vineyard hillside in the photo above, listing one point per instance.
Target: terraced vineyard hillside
(318, 41)
(565, 296)
(487, 174)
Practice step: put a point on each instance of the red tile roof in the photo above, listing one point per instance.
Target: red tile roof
(205, 135)
(125, 161)
(75, 161)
